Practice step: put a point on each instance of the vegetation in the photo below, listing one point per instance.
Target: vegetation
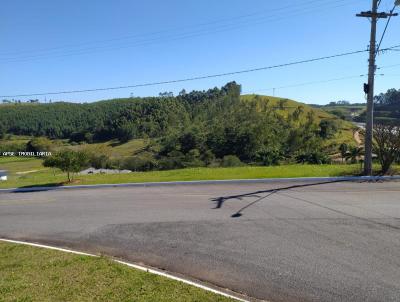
(217, 128)
(196, 129)
(27, 172)
(68, 161)
(343, 148)
(39, 144)
(35, 274)
(354, 154)
(387, 145)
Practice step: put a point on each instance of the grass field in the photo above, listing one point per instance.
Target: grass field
(36, 274)
(29, 172)
(113, 148)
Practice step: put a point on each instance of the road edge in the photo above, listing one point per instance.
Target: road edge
(206, 182)
(147, 269)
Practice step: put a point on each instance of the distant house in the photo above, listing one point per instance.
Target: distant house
(3, 175)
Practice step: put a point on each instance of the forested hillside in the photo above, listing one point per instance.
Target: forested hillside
(103, 120)
(192, 129)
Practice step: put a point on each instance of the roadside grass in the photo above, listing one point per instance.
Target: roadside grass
(37, 274)
(50, 177)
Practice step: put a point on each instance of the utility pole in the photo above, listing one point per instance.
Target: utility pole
(369, 88)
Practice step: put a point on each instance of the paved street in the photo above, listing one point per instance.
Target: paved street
(278, 242)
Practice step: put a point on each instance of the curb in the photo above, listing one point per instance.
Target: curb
(207, 182)
(135, 266)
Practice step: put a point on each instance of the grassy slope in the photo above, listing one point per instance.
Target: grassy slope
(20, 164)
(345, 133)
(114, 149)
(34, 274)
(15, 140)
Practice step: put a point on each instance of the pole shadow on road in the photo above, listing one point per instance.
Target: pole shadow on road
(222, 199)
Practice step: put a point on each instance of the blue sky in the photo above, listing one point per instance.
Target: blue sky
(67, 45)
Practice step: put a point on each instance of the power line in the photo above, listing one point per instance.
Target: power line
(225, 27)
(389, 66)
(309, 83)
(386, 27)
(194, 78)
(312, 83)
(200, 77)
(232, 19)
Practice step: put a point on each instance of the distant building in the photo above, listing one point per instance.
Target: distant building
(3, 175)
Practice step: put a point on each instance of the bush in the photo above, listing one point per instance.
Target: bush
(314, 158)
(269, 158)
(386, 145)
(99, 161)
(2, 131)
(174, 160)
(208, 157)
(192, 159)
(231, 161)
(139, 164)
(328, 129)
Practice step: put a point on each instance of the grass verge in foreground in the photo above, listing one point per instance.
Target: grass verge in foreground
(36, 274)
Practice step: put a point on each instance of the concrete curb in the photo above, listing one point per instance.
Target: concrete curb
(207, 182)
(135, 266)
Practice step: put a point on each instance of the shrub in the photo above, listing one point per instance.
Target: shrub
(2, 131)
(139, 164)
(386, 145)
(99, 161)
(328, 129)
(314, 158)
(231, 161)
(192, 159)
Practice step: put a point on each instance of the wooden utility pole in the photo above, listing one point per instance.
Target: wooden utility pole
(369, 88)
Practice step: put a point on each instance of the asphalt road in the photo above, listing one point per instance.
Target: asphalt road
(320, 242)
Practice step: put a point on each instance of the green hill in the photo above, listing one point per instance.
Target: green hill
(201, 128)
(286, 107)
